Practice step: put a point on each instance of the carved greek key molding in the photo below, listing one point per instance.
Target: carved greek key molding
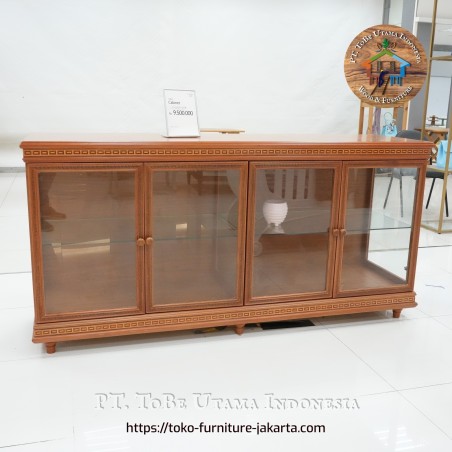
(248, 316)
(222, 152)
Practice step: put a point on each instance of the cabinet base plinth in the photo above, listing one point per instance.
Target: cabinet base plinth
(237, 317)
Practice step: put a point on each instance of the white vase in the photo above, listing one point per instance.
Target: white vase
(275, 212)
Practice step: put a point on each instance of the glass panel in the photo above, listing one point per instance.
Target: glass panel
(291, 240)
(194, 227)
(88, 240)
(433, 195)
(379, 216)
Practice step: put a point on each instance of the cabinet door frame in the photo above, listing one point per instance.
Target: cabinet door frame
(415, 226)
(332, 235)
(150, 168)
(33, 171)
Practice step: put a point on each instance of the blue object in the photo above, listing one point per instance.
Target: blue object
(441, 155)
(390, 128)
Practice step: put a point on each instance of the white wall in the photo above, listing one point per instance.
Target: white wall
(440, 85)
(101, 65)
(396, 12)
(425, 9)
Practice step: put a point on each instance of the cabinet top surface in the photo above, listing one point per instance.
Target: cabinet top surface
(133, 148)
(208, 139)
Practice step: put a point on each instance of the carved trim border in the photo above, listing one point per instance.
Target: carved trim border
(222, 152)
(243, 316)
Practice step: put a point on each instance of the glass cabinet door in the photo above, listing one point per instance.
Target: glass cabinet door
(195, 232)
(89, 220)
(293, 207)
(377, 237)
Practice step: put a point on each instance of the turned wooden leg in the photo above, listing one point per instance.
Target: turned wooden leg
(50, 347)
(396, 313)
(239, 329)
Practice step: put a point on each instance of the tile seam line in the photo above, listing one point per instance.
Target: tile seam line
(382, 320)
(424, 414)
(426, 386)
(29, 358)
(441, 323)
(15, 308)
(372, 394)
(362, 360)
(434, 246)
(32, 442)
(15, 273)
(395, 389)
(9, 190)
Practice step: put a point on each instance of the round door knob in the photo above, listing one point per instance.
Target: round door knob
(141, 242)
(149, 240)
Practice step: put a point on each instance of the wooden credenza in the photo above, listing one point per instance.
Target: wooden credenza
(136, 234)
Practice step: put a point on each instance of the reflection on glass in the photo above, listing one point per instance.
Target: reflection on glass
(88, 240)
(194, 227)
(292, 217)
(378, 230)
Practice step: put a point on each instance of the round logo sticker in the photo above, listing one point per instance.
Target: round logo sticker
(385, 64)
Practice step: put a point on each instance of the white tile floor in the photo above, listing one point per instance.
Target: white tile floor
(399, 371)
(11, 156)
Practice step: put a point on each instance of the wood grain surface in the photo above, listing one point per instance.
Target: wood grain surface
(385, 64)
(120, 251)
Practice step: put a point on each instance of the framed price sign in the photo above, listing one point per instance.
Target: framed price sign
(181, 114)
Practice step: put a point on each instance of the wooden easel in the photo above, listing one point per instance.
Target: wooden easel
(370, 117)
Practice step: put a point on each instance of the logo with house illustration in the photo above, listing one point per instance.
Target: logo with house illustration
(385, 64)
(385, 68)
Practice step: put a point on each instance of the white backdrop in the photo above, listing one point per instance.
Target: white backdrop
(101, 65)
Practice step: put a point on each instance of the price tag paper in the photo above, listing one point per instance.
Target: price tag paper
(181, 114)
